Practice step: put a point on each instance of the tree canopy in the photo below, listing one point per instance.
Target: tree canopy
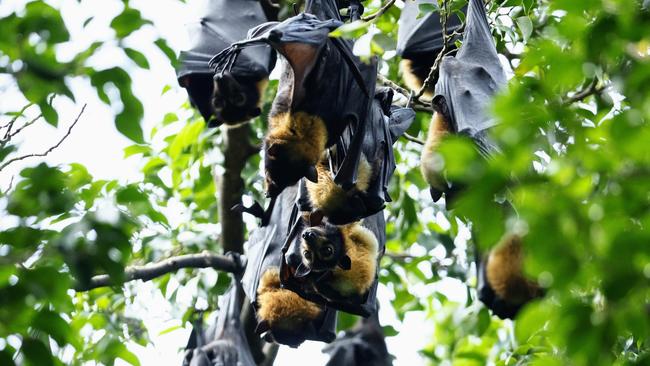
(573, 128)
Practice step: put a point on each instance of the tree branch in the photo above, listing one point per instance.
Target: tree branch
(151, 271)
(591, 89)
(18, 158)
(432, 78)
(418, 105)
(10, 124)
(379, 12)
(236, 151)
(413, 138)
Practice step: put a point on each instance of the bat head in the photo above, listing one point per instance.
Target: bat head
(236, 100)
(284, 166)
(322, 249)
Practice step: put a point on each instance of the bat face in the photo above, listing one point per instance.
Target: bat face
(323, 248)
(236, 101)
(284, 166)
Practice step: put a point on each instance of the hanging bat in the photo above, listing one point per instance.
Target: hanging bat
(224, 343)
(322, 277)
(283, 316)
(353, 175)
(322, 89)
(419, 40)
(364, 345)
(503, 287)
(344, 258)
(466, 84)
(234, 96)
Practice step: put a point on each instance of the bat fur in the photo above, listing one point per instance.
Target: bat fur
(504, 272)
(281, 309)
(352, 258)
(327, 196)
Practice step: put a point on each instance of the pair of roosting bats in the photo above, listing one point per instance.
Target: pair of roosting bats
(467, 81)
(325, 126)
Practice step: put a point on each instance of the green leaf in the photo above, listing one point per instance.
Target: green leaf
(49, 113)
(526, 27)
(36, 353)
(52, 324)
(137, 149)
(127, 22)
(168, 51)
(389, 331)
(137, 57)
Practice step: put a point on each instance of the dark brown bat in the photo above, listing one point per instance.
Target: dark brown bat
(235, 96)
(344, 258)
(466, 84)
(503, 287)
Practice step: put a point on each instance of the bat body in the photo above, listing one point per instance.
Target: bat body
(224, 343)
(364, 345)
(281, 311)
(339, 269)
(344, 257)
(353, 175)
(419, 40)
(322, 89)
(235, 96)
(283, 316)
(466, 84)
(503, 287)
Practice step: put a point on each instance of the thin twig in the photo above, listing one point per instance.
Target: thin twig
(11, 161)
(10, 124)
(379, 12)
(432, 78)
(151, 271)
(31, 122)
(416, 104)
(11, 184)
(413, 139)
(591, 89)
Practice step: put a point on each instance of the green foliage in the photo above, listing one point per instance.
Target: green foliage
(577, 172)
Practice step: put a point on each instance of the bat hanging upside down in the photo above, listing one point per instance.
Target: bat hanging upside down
(345, 257)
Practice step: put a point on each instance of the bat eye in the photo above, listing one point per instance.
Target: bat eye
(327, 251)
(307, 254)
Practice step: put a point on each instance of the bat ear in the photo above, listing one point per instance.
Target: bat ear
(345, 262)
(256, 112)
(312, 174)
(272, 150)
(262, 326)
(302, 271)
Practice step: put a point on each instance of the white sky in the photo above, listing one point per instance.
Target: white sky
(96, 144)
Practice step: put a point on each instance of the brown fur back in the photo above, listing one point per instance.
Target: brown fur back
(305, 134)
(362, 247)
(327, 195)
(504, 272)
(411, 79)
(282, 308)
(437, 130)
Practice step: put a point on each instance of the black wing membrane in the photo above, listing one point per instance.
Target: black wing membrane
(224, 343)
(331, 86)
(303, 286)
(363, 346)
(223, 22)
(469, 80)
(374, 139)
(264, 250)
(424, 35)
